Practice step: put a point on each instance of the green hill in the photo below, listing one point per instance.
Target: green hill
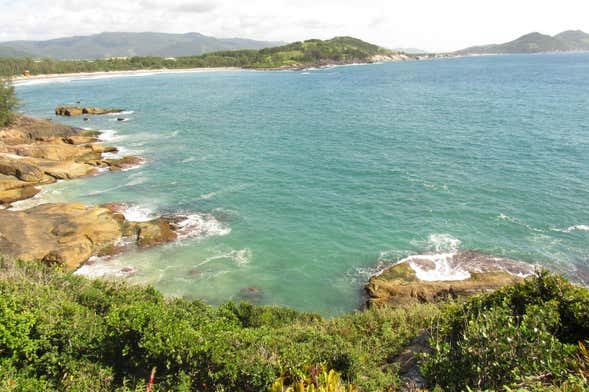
(314, 52)
(535, 43)
(339, 50)
(114, 44)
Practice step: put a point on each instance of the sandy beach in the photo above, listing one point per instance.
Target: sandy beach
(139, 72)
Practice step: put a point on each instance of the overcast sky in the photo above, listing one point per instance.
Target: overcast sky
(439, 25)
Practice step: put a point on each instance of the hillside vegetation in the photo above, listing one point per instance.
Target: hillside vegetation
(567, 41)
(60, 332)
(340, 50)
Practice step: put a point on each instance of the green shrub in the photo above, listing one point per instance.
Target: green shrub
(523, 334)
(8, 102)
(64, 332)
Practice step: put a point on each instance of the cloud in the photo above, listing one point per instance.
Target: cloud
(428, 24)
(195, 7)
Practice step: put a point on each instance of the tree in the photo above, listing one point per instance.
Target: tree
(8, 102)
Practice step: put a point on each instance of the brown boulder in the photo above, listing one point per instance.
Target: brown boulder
(24, 130)
(71, 111)
(401, 284)
(67, 234)
(155, 232)
(21, 169)
(70, 233)
(78, 139)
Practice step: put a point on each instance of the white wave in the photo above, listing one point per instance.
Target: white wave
(136, 181)
(33, 82)
(136, 213)
(442, 269)
(518, 222)
(189, 159)
(200, 226)
(239, 257)
(100, 267)
(571, 229)
(47, 195)
(444, 243)
(124, 112)
(109, 135)
(207, 196)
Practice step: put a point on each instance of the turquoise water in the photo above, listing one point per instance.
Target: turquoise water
(305, 182)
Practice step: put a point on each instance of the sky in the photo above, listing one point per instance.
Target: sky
(433, 25)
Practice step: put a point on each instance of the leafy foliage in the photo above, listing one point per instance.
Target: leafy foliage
(522, 335)
(317, 380)
(8, 102)
(63, 332)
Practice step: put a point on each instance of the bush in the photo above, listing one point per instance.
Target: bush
(63, 332)
(522, 335)
(8, 102)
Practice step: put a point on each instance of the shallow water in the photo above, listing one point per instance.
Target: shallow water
(303, 182)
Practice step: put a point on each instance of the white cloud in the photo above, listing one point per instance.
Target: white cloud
(429, 24)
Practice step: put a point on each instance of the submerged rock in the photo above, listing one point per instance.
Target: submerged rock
(72, 111)
(434, 278)
(251, 294)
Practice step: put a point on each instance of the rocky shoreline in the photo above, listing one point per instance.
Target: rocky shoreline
(36, 152)
(435, 278)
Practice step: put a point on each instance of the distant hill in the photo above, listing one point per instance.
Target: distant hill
(412, 50)
(567, 41)
(105, 45)
(313, 52)
(297, 55)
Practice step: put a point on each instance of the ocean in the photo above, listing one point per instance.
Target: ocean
(301, 184)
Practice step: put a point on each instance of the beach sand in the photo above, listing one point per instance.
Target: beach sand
(21, 79)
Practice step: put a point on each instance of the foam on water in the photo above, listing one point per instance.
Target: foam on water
(101, 267)
(109, 135)
(136, 213)
(574, 228)
(239, 257)
(442, 270)
(124, 112)
(200, 226)
(443, 248)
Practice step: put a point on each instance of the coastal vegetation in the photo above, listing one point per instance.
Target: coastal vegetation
(59, 331)
(298, 54)
(8, 102)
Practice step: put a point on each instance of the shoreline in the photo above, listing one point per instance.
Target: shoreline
(137, 72)
(35, 153)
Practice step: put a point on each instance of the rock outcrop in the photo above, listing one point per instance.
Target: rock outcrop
(412, 281)
(71, 111)
(37, 152)
(70, 233)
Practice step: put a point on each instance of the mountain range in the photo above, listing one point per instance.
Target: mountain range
(567, 41)
(126, 45)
